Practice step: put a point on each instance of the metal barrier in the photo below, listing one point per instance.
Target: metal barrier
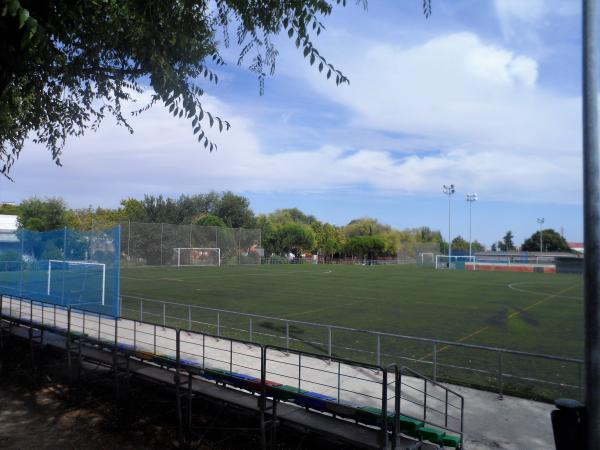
(335, 382)
(527, 374)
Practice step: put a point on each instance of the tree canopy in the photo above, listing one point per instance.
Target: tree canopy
(42, 215)
(282, 231)
(507, 244)
(552, 241)
(66, 65)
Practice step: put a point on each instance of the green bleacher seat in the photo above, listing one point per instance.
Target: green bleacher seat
(372, 416)
(452, 441)
(286, 392)
(431, 434)
(410, 426)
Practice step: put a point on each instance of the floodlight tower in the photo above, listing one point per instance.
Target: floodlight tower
(471, 198)
(449, 191)
(541, 222)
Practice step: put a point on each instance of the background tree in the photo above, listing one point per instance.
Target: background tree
(365, 246)
(36, 214)
(552, 242)
(460, 244)
(134, 210)
(234, 210)
(209, 220)
(506, 244)
(295, 238)
(67, 65)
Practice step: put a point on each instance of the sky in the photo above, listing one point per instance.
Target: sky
(484, 95)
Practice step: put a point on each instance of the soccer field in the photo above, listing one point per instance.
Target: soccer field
(532, 312)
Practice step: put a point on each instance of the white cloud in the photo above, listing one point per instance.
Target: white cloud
(483, 122)
(163, 157)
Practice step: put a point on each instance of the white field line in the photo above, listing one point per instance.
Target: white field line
(527, 291)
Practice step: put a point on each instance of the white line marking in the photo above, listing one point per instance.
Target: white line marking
(526, 291)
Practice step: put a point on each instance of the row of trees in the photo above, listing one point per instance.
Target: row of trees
(548, 239)
(283, 231)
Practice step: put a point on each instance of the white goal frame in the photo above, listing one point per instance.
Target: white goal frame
(444, 265)
(178, 251)
(83, 263)
(427, 254)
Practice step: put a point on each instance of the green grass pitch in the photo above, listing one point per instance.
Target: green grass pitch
(530, 312)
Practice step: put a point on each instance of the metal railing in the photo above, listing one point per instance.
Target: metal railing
(505, 371)
(322, 381)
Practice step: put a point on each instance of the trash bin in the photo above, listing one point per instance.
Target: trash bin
(568, 424)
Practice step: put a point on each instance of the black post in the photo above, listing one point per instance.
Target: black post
(591, 201)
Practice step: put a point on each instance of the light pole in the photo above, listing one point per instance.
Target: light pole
(471, 198)
(541, 222)
(449, 191)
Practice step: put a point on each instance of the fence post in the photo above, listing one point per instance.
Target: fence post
(190, 317)
(579, 388)
(21, 272)
(250, 327)
(287, 335)
(128, 241)
(379, 350)
(164, 314)
(219, 324)
(141, 310)
(329, 340)
(435, 361)
(161, 240)
(500, 376)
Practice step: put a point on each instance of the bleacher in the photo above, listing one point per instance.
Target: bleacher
(360, 404)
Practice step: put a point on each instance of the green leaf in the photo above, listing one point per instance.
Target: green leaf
(306, 51)
(13, 7)
(312, 59)
(290, 32)
(23, 16)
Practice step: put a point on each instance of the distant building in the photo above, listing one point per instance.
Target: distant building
(8, 233)
(576, 247)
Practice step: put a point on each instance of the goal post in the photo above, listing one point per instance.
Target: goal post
(197, 256)
(427, 258)
(84, 277)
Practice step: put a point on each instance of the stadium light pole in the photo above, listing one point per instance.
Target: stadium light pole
(471, 198)
(449, 191)
(591, 221)
(541, 222)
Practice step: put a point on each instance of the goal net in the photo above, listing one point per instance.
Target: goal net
(197, 256)
(82, 282)
(452, 262)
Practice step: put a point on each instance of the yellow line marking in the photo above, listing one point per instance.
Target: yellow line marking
(510, 316)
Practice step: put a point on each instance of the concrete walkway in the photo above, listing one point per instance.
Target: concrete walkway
(508, 424)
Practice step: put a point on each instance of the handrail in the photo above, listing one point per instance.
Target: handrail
(386, 375)
(359, 330)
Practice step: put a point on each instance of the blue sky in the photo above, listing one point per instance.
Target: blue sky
(483, 94)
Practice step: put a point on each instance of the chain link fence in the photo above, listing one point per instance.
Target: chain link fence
(156, 244)
(65, 267)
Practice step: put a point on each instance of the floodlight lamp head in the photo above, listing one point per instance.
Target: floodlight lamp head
(448, 189)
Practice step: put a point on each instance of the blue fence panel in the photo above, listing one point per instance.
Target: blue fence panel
(65, 267)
